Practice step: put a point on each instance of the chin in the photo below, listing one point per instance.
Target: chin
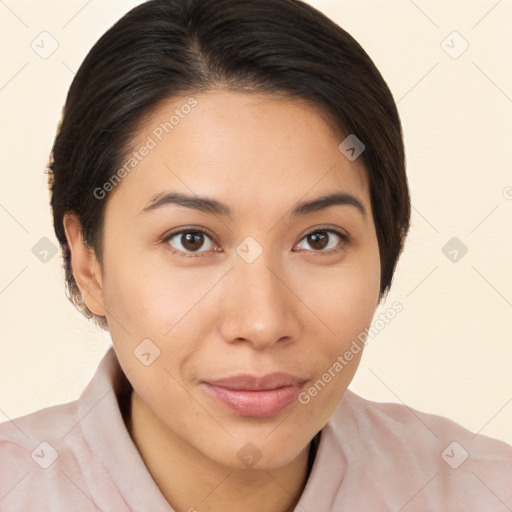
(266, 451)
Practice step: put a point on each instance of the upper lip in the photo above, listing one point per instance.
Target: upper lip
(251, 383)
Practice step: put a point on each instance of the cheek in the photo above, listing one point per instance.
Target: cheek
(345, 303)
(143, 292)
(168, 307)
(345, 297)
(348, 313)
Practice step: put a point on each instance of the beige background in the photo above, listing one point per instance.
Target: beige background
(448, 352)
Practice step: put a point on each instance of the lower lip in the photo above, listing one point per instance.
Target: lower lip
(256, 404)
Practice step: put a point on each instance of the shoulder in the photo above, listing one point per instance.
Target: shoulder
(399, 423)
(21, 436)
(447, 464)
(39, 454)
(62, 457)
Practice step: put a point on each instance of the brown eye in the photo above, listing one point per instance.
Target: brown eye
(322, 240)
(318, 240)
(190, 241)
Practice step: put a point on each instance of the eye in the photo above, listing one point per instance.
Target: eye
(324, 240)
(190, 241)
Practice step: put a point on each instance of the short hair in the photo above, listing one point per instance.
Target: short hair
(165, 48)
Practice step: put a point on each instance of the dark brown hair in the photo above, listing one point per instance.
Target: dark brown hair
(165, 48)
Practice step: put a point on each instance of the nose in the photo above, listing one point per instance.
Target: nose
(258, 306)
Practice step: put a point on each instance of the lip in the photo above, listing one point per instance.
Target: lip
(256, 397)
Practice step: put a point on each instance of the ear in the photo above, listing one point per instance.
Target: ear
(85, 266)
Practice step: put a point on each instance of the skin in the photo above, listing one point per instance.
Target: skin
(295, 309)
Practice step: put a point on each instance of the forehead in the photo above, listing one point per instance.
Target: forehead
(247, 150)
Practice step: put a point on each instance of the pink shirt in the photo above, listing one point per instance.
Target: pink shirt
(79, 457)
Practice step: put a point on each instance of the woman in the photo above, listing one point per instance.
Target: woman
(229, 192)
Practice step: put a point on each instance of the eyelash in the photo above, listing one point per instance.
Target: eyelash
(345, 238)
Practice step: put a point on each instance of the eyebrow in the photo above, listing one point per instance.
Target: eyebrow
(208, 205)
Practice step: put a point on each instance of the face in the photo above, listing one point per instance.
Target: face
(245, 295)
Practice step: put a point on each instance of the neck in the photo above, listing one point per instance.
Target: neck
(191, 481)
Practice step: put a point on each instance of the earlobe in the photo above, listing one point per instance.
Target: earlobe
(85, 266)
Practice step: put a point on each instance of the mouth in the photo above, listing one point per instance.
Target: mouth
(256, 397)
